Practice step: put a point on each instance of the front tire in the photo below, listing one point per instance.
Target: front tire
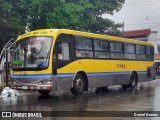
(78, 85)
(44, 92)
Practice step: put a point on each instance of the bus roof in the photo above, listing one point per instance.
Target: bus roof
(49, 32)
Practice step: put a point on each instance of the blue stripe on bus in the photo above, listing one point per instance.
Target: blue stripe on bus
(142, 72)
(107, 73)
(72, 74)
(32, 76)
(113, 73)
(98, 73)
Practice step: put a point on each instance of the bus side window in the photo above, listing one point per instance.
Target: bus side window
(59, 51)
(55, 51)
(63, 51)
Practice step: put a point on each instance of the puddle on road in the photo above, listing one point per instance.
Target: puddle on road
(145, 98)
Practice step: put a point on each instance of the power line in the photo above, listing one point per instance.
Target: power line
(144, 1)
(152, 17)
(154, 26)
(151, 23)
(142, 23)
(145, 25)
(141, 3)
(151, 20)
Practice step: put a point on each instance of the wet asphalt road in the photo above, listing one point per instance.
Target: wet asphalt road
(144, 98)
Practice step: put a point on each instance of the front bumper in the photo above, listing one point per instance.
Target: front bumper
(34, 87)
(34, 82)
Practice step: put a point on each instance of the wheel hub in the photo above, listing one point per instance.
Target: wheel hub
(79, 84)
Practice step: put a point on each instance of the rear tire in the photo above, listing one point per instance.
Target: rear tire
(78, 85)
(44, 92)
(154, 75)
(133, 82)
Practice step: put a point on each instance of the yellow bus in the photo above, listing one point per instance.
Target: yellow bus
(62, 59)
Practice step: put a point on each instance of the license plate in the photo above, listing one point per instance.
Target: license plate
(24, 87)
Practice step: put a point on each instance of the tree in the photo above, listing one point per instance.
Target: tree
(11, 23)
(17, 16)
(85, 15)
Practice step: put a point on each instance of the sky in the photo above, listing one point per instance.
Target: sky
(138, 14)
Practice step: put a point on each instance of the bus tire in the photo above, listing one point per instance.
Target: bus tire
(133, 80)
(78, 85)
(154, 75)
(44, 92)
(132, 83)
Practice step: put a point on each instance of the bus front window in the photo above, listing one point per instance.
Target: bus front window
(32, 52)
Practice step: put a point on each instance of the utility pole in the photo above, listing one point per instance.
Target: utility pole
(6, 52)
(122, 28)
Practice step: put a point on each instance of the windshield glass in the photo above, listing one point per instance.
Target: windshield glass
(32, 52)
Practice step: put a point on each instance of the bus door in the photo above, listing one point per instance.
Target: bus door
(63, 53)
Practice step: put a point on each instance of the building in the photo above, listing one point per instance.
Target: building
(145, 35)
(142, 35)
(153, 38)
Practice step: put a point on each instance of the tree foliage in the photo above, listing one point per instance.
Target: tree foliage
(11, 23)
(17, 16)
(83, 15)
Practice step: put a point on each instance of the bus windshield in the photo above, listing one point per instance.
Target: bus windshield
(31, 53)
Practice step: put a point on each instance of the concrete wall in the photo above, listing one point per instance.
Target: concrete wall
(153, 38)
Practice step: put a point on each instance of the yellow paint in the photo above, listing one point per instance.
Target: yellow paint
(105, 66)
(88, 65)
(56, 32)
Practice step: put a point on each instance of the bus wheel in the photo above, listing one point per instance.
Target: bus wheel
(44, 92)
(133, 82)
(78, 85)
(154, 75)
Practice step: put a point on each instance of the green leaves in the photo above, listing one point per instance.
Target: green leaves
(69, 15)
(84, 15)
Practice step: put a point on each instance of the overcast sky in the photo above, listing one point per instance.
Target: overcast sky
(139, 14)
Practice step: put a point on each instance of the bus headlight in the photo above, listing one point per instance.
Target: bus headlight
(14, 82)
(49, 82)
(46, 82)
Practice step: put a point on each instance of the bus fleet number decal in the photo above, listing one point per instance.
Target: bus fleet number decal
(121, 65)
